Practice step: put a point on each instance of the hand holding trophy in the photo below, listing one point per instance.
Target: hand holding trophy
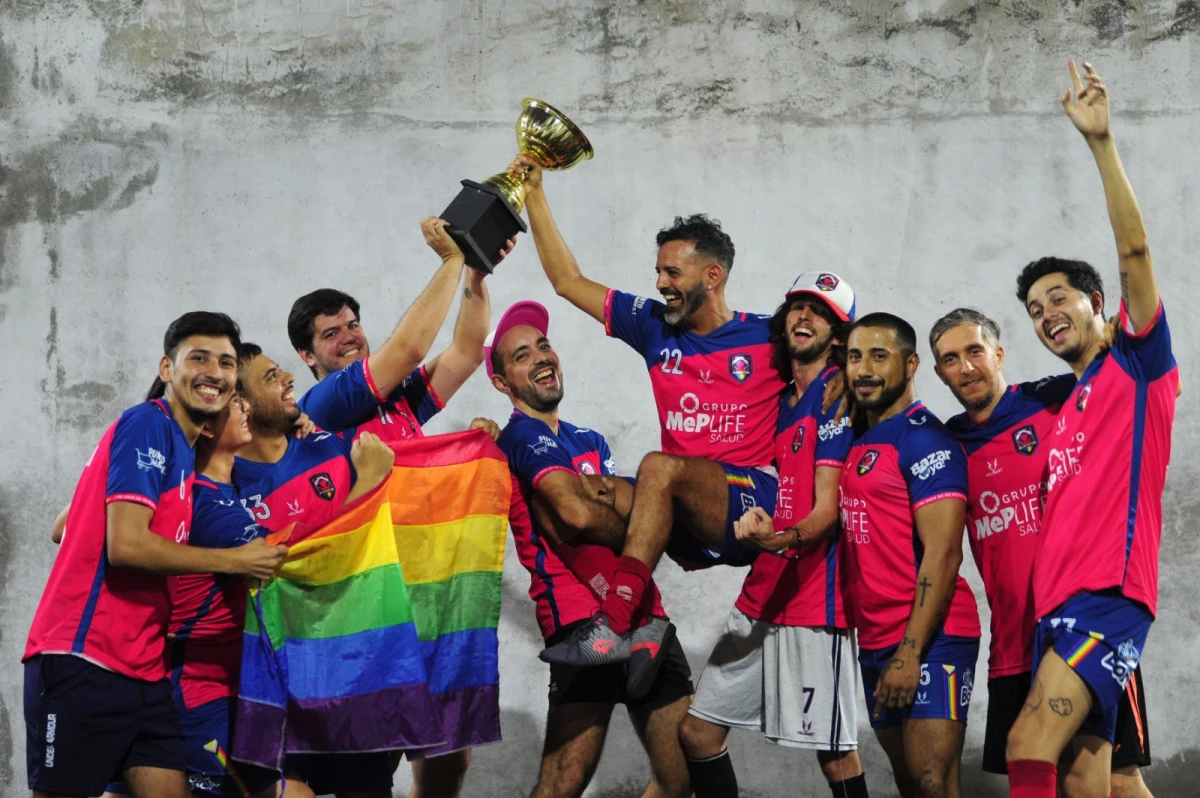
(485, 215)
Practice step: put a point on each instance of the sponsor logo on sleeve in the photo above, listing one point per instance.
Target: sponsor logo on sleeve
(930, 464)
(152, 460)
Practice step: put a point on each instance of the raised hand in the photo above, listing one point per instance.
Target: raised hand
(372, 458)
(434, 231)
(258, 559)
(529, 170)
(1088, 109)
(488, 426)
(304, 426)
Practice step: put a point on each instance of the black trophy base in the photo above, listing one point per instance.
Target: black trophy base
(481, 222)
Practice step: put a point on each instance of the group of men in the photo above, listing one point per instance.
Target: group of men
(849, 514)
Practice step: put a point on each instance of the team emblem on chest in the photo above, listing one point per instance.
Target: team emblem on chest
(1082, 400)
(867, 462)
(1025, 439)
(741, 367)
(798, 439)
(322, 485)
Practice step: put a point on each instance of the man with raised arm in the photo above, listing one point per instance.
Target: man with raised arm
(718, 399)
(1095, 578)
(903, 506)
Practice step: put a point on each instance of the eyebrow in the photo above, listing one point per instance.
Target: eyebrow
(267, 374)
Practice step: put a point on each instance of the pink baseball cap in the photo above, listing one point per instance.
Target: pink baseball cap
(525, 312)
(835, 291)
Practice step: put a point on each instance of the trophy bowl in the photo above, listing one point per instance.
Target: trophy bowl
(485, 215)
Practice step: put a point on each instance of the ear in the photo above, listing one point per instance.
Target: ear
(165, 367)
(501, 385)
(308, 357)
(1097, 300)
(1000, 356)
(937, 369)
(714, 276)
(206, 431)
(910, 368)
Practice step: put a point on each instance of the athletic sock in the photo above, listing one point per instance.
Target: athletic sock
(713, 777)
(850, 788)
(1031, 778)
(630, 578)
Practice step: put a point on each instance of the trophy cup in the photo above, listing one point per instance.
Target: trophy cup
(485, 215)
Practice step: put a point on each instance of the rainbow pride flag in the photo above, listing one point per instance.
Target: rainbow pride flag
(379, 630)
(449, 498)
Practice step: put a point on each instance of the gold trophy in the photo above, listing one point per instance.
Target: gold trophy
(485, 215)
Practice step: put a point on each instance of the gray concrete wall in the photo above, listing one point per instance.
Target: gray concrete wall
(160, 156)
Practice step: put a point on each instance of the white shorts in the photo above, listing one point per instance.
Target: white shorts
(798, 685)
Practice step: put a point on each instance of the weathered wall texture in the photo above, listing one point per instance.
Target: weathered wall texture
(160, 156)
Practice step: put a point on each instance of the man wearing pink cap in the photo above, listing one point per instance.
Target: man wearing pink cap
(785, 665)
(565, 535)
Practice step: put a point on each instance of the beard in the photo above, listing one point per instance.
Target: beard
(816, 349)
(690, 302)
(887, 397)
(202, 415)
(979, 403)
(542, 400)
(278, 420)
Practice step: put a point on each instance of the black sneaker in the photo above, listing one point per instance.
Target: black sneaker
(591, 644)
(649, 646)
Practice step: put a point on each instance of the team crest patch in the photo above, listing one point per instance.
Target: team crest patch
(827, 282)
(798, 439)
(1025, 440)
(867, 462)
(1082, 400)
(741, 367)
(323, 486)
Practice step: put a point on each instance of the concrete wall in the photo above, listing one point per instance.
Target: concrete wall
(160, 156)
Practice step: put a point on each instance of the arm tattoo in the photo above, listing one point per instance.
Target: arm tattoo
(896, 665)
(467, 292)
(908, 641)
(1124, 287)
(1061, 706)
(925, 585)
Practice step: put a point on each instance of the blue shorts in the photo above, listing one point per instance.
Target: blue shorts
(1101, 636)
(944, 691)
(85, 724)
(747, 487)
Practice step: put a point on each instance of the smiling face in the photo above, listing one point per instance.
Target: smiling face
(201, 377)
(270, 394)
(809, 326)
(1064, 318)
(337, 341)
(231, 431)
(877, 368)
(969, 363)
(532, 373)
(684, 280)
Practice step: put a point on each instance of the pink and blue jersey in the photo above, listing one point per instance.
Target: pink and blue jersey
(717, 394)
(1006, 468)
(350, 398)
(208, 611)
(805, 590)
(307, 486)
(117, 617)
(1107, 465)
(567, 582)
(894, 469)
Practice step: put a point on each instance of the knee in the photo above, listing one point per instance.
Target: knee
(699, 738)
(1127, 783)
(1085, 784)
(658, 468)
(933, 783)
(839, 766)
(1022, 740)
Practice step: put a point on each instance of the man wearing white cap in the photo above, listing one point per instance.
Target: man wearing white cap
(785, 665)
(565, 536)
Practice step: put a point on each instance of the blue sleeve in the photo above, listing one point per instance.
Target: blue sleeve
(834, 439)
(419, 394)
(608, 465)
(532, 453)
(631, 319)
(221, 524)
(934, 464)
(1051, 391)
(138, 456)
(342, 400)
(1146, 356)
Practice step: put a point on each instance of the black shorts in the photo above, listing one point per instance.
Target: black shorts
(1006, 696)
(84, 725)
(328, 773)
(606, 684)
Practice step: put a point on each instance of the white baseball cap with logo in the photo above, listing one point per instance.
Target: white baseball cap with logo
(527, 312)
(835, 291)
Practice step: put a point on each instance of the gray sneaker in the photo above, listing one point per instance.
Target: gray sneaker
(649, 646)
(591, 644)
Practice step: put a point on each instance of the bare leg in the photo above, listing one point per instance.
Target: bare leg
(1127, 783)
(1087, 775)
(839, 765)
(574, 739)
(933, 750)
(690, 490)
(892, 743)
(659, 731)
(440, 776)
(1057, 704)
(147, 782)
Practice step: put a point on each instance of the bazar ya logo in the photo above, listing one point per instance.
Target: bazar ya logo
(930, 464)
(867, 462)
(741, 367)
(831, 429)
(322, 485)
(1025, 440)
(723, 421)
(826, 282)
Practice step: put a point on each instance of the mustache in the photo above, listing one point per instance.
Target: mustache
(867, 382)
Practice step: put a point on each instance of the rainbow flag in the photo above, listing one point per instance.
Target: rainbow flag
(449, 498)
(379, 630)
